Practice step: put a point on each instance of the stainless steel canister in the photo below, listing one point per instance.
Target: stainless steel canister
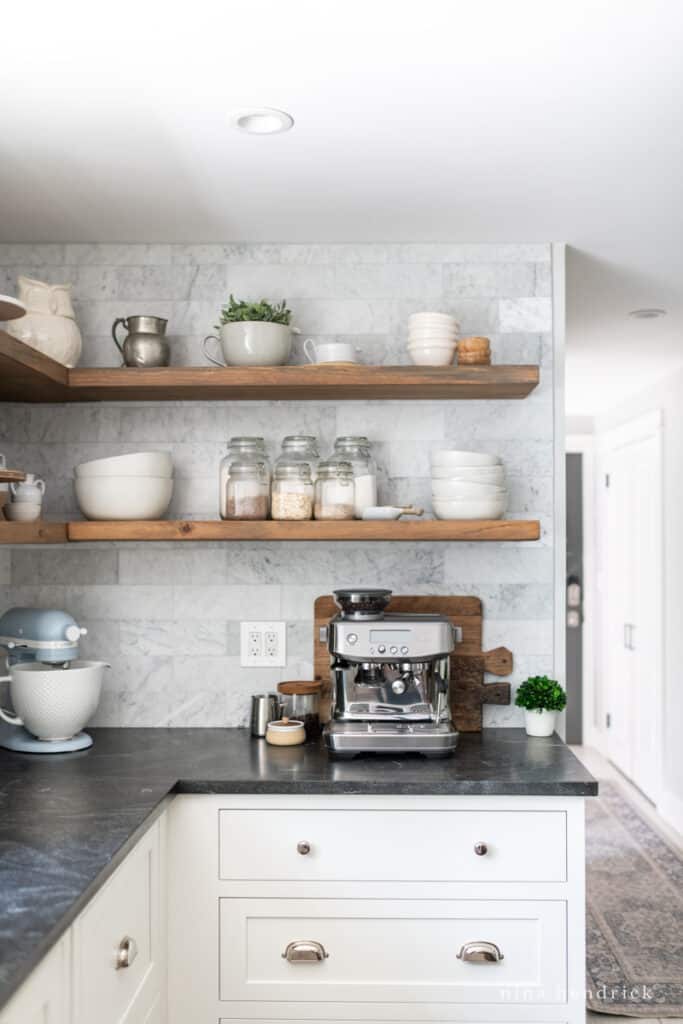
(265, 707)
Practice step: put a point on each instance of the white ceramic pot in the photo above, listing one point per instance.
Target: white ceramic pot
(49, 325)
(54, 703)
(539, 723)
(29, 490)
(123, 497)
(142, 464)
(252, 343)
(22, 511)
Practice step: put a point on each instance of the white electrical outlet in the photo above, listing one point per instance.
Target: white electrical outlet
(263, 644)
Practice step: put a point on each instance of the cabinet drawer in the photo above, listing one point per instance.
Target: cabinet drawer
(429, 846)
(393, 950)
(125, 914)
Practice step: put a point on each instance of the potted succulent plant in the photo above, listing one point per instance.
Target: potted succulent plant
(253, 334)
(541, 699)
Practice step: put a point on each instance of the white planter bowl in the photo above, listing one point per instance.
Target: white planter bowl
(453, 459)
(456, 490)
(432, 355)
(539, 723)
(474, 508)
(123, 497)
(253, 343)
(470, 474)
(144, 464)
(55, 703)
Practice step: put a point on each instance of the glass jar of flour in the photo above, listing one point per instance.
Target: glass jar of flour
(240, 449)
(334, 490)
(357, 451)
(248, 491)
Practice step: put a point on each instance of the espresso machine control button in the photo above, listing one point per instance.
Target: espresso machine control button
(381, 649)
(404, 650)
(393, 650)
(352, 638)
(398, 686)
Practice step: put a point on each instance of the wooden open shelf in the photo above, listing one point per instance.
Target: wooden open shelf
(270, 530)
(39, 532)
(28, 376)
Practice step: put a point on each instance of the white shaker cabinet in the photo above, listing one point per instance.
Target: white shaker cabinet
(363, 909)
(46, 997)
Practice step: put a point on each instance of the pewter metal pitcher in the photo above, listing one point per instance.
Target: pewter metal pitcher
(145, 344)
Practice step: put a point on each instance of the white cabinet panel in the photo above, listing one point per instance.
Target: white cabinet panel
(45, 997)
(393, 950)
(521, 846)
(127, 911)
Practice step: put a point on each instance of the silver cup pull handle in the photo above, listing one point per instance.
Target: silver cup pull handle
(480, 953)
(126, 953)
(305, 951)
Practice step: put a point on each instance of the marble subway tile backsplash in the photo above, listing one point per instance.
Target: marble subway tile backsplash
(167, 616)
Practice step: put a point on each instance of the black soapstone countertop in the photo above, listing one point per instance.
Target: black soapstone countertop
(67, 820)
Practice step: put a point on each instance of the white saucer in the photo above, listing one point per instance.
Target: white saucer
(11, 308)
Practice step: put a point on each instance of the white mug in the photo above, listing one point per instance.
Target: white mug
(330, 351)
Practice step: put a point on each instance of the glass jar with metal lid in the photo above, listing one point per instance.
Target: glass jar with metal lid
(292, 491)
(301, 448)
(248, 491)
(334, 490)
(357, 450)
(240, 449)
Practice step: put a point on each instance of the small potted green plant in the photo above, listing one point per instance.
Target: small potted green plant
(253, 334)
(541, 699)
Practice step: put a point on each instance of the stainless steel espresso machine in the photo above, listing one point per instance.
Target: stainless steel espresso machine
(390, 679)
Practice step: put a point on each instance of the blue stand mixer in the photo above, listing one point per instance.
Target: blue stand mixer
(40, 636)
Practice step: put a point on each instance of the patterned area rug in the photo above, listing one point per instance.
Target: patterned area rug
(634, 914)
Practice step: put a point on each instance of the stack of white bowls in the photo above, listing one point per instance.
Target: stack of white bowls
(136, 486)
(432, 339)
(468, 485)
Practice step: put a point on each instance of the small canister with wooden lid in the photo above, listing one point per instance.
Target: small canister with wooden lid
(301, 698)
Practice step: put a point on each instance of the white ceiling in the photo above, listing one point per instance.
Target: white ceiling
(500, 120)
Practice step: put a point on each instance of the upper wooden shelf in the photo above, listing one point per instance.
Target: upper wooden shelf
(28, 376)
(328, 530)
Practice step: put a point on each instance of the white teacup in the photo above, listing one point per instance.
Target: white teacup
(22, 511)
(330, 351)
(53, 703)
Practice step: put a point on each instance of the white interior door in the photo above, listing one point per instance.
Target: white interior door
(633, 601)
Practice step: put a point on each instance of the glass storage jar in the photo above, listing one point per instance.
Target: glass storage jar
(334, 490)
(301, 700)
(292, 491)
(357, 450)
(248, 491)
(301, 448)
(240, 449)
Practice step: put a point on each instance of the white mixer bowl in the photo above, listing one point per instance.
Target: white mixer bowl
(54, 703)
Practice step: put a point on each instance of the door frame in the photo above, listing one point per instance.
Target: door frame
(648, 426)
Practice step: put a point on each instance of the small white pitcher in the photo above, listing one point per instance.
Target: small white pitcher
(31, 489)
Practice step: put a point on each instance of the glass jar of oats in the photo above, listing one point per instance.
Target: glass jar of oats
(292, 491)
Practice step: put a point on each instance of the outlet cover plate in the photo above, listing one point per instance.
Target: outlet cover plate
(269, 639)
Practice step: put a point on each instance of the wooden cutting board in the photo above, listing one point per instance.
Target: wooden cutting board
(468, 665)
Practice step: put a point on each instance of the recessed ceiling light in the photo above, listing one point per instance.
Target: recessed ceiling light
(649, 313)
(262, 121)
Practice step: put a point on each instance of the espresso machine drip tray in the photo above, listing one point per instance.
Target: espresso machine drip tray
(348, 739)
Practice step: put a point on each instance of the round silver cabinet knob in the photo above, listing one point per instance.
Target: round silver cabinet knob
(481, 849)
(303, 847)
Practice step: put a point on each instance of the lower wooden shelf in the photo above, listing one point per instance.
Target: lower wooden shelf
(271, 530)
(39, 532)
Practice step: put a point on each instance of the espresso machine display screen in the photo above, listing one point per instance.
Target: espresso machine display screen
(389, 636)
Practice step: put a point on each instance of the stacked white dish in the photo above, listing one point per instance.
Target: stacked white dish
(432, 339)
(136, 486)
(468, 485)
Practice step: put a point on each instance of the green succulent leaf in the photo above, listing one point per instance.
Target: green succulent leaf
(539, 693)
(237, 311)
